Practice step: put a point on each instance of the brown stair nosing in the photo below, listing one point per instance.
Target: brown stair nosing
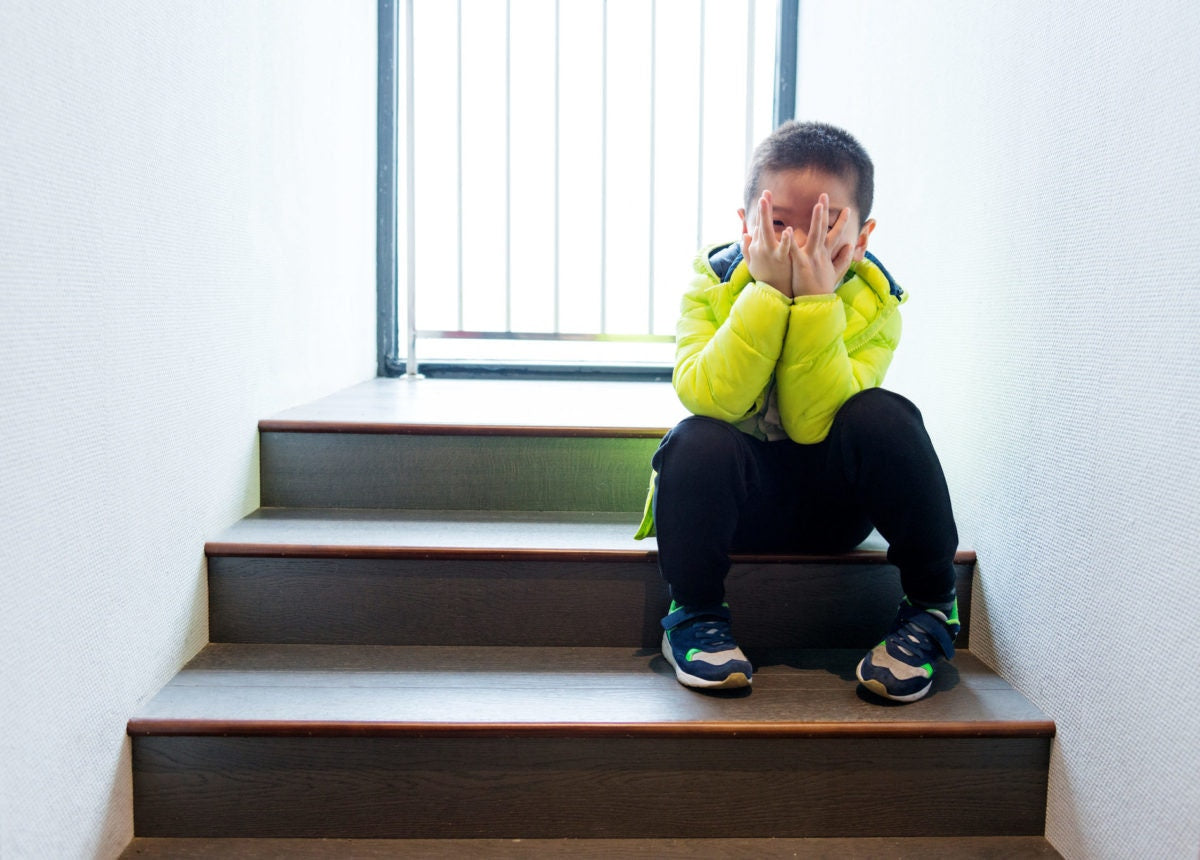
(378, 428)
(814, 848)
(592, 535)
(426, 553)
(157, 727)
(266, 550)
(365, 691)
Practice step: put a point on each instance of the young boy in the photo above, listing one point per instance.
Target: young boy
(782, 343)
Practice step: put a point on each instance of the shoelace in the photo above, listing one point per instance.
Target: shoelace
(909, 636)
(712, 637)
(910, 632)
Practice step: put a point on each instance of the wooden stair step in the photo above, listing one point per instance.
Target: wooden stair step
(450, 534)
(429, 690)
(459, 534)
(464, 444)
(401, 577)
(902, 848)
(529, 407)
(424, 742)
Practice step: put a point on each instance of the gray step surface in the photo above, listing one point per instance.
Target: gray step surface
(396, 577)
(493, 405)
(379, 742)
(910, 848)
(429, 689)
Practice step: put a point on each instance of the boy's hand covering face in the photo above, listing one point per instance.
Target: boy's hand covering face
(769, 256)
(792, 222)
(820, 262)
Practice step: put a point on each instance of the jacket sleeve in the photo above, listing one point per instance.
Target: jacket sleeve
(837, 346)
(728, 342)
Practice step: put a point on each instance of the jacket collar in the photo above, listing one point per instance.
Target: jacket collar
(724, 259)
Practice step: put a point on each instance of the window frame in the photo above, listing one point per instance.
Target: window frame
(395, 358)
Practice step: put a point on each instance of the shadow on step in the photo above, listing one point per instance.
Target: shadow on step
(840, 663)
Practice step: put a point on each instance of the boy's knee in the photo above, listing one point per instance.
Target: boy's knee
(878, 412)
(698, 440)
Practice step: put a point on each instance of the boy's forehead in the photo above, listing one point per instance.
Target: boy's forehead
(804, 180)
(798, 188)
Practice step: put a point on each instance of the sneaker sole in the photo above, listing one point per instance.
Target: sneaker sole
(733, 681)
(878, 689)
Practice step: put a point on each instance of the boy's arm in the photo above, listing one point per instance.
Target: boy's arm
(837, 345)
(723, 365)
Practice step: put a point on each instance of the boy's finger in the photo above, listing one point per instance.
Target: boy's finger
(766, 221)
(839, 225)
(817, 225)
(841, 257)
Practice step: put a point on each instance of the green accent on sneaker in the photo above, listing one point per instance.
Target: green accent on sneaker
(951, 617)
(675, 605)
(928, 669)
(690, 654)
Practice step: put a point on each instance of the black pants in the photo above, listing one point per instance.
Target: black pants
(721, 491)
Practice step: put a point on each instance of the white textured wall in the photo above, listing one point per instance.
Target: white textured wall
(1038, 193)
(186, 245)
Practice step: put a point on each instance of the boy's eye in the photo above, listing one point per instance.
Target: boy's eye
(779, 225)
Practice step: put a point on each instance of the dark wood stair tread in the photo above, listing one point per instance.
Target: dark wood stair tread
(866, 848)
(396, 533)
(361, 532)
(489, 406)
(558, 692)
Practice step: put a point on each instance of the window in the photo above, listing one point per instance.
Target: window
(548, 169)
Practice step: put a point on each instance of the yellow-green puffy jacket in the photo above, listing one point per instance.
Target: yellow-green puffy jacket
(737, 339)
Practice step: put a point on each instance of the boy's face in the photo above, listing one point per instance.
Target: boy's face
(794, 193)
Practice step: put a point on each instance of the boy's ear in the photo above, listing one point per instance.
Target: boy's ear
(742, 215)
(860, 246)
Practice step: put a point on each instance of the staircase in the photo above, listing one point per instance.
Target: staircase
(437, 638)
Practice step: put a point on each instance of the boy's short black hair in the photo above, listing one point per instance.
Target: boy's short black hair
(797, 145)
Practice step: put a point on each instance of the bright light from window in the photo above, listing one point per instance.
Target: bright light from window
(570, 157)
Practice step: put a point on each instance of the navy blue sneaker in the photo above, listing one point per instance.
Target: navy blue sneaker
(901, 666)
(699, 644)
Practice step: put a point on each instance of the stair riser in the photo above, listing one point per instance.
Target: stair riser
(586, 787)
(455, 472)
(427, 602)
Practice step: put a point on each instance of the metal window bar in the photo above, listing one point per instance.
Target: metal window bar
(700, 133)
(458, 135)
(387, 239)
(411, 203)
(653, 157)
(751, 20)
(557, 163)
(508, 201)
(784, 99)
(604, 167)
